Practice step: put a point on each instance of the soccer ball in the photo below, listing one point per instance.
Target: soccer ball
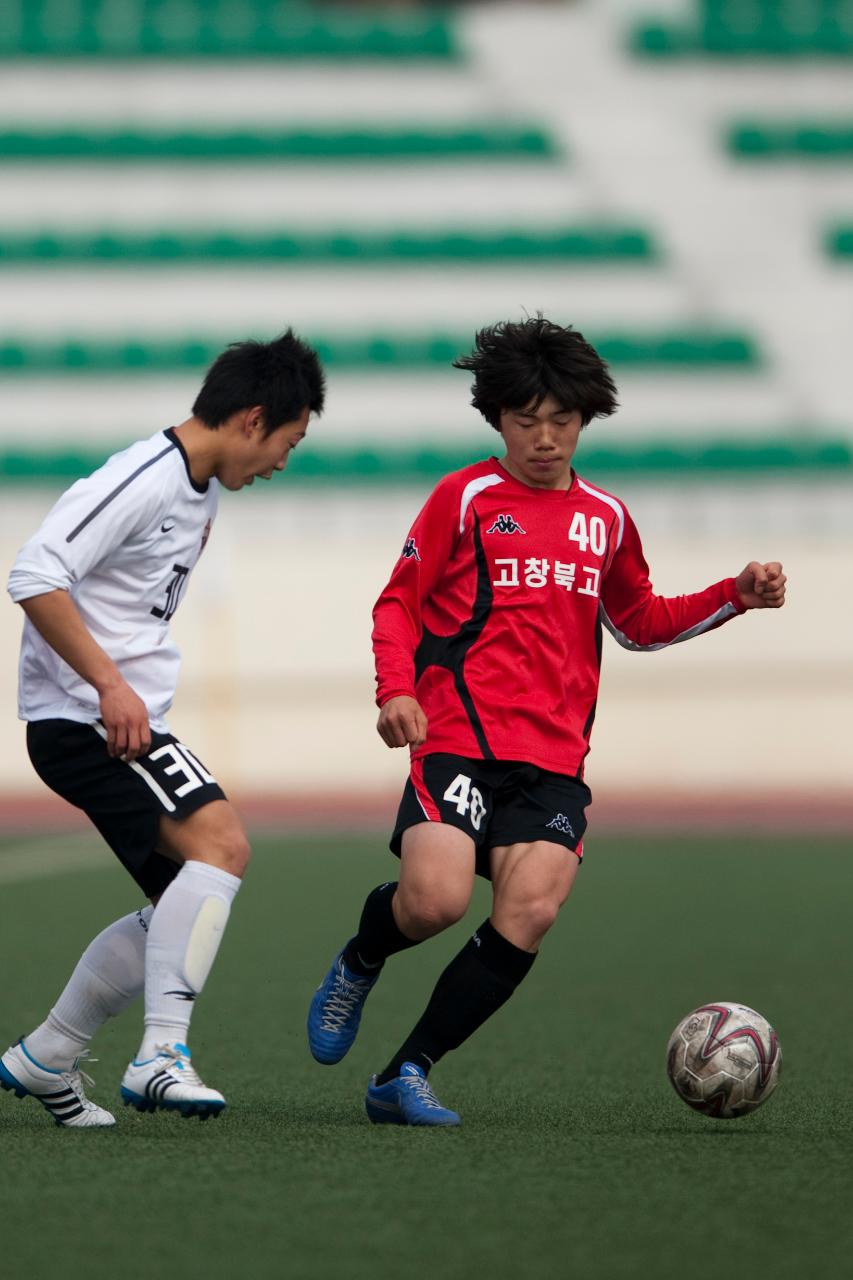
(723, 1059)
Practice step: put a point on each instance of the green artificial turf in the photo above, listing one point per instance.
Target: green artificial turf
(575, 1157)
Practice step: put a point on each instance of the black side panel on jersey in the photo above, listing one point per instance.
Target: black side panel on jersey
(105, 502)
(590, 720)
(450, 651)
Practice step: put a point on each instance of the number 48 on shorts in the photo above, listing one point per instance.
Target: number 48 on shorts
(467, 800)
(495, 802)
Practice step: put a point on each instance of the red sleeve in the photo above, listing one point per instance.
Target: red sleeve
(397, 621)
(639, 619)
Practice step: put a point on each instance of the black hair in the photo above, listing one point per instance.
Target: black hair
(516, 364)
(283, 376)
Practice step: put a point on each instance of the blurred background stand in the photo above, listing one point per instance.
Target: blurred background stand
(674, 178)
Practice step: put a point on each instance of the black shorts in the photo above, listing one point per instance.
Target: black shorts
(125, 801)
(495, 802)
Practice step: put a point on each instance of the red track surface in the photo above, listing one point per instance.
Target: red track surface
(786, 812)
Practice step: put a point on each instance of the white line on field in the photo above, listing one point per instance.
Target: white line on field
(30, 859)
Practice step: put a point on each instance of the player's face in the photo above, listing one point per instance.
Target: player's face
(261, 455)
(540, 443)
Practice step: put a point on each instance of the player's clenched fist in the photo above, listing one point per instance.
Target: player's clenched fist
(762, 586)
(402, 722)
(125, 719)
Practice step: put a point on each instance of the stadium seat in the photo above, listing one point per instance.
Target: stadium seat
(752, 28)
(238, 29)
(275, 145)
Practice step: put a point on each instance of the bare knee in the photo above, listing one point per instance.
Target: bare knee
(421, 915)
(525, 921)
(540, 914)
(232, 854)
(213, 834)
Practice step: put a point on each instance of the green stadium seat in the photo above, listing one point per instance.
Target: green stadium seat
(838, 241)
(797, 454)
(358, 247)
(681, 351)
(486, 142)
(753, 28)
(828, 141)
(219, 29)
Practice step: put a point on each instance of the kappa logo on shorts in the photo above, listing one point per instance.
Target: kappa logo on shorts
(561, 823)
(410, 550)
(506, 524)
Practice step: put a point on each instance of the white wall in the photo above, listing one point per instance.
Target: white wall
(277, 687)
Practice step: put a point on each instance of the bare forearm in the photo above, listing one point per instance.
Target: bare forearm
(125, 716)
(56, 617)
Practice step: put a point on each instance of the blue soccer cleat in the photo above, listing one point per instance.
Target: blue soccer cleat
(335, 1012)
(408, 1099)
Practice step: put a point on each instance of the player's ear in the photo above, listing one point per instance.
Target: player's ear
(254, 420)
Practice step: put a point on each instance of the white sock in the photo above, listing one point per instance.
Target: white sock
(183, 939)
(109, 975)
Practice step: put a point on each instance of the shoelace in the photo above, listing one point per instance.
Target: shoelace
(420, 1088)
(188, 1073)
(343, 1000)
(75, 1079)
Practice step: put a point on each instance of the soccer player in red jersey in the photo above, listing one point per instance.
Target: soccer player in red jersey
(487, 641)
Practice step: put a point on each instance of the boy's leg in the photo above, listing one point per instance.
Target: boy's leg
(433, 892)
(165, 800)
(530, 883)
(44, 1064)
(379, 936)
(183, 939)
(109, 975)
(434, 889)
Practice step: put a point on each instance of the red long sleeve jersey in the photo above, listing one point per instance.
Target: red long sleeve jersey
(493, 615)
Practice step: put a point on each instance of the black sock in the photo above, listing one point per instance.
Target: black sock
(378, 936)
(474, 985)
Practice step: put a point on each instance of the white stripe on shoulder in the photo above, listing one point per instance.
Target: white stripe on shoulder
(725, 611)
(469, 493)
(611, 502)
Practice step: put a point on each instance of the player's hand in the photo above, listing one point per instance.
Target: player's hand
(402, 722)
(125, 718)
(761, 586)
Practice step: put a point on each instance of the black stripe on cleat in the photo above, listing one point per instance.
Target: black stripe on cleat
(67, 1115)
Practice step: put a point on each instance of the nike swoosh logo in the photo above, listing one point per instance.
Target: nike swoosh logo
(166, 528)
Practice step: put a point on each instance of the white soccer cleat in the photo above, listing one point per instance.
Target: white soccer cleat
(61, 1093)
(170, 1081)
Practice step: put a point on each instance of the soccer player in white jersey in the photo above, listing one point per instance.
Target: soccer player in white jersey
(99, 583)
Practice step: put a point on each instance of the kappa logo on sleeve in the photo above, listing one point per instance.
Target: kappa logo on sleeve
(410, 550)
(506, 524)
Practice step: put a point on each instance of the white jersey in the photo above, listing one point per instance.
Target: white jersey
(123, 542)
